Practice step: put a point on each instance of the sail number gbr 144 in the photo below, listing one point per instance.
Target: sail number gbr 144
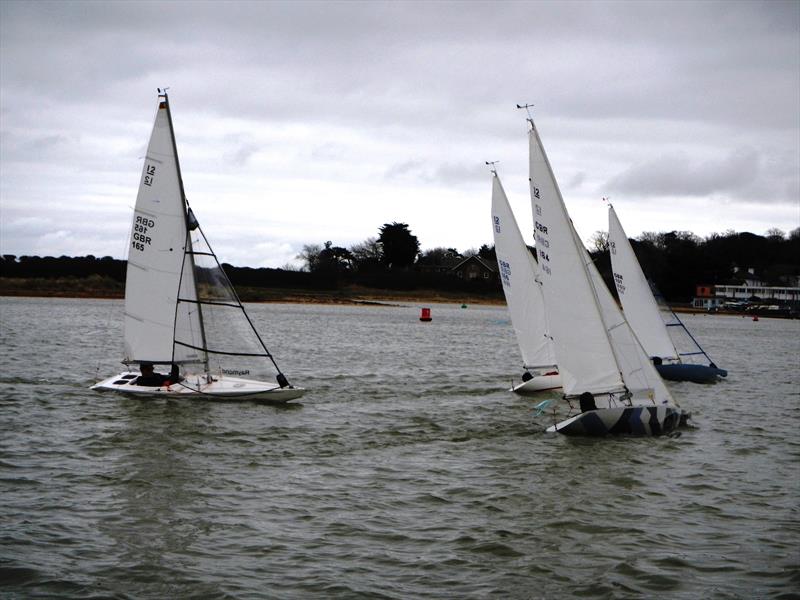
(542, 243)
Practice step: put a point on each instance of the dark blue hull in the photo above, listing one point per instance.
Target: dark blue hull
(636, 420)
(693, 373)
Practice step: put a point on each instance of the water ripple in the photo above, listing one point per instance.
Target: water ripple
(408, 471)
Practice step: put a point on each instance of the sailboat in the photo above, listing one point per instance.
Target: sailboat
(518, 273)
(603, 367)
(181, 309)
(646, 316)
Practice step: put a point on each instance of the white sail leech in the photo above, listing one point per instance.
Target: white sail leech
(641, 309)
(583, 352)
(519, 274)
(596, 349)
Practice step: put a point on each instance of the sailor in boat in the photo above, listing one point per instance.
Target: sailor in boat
(153, 379)
(587, 402)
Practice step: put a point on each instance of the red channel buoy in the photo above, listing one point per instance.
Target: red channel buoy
(425, 315)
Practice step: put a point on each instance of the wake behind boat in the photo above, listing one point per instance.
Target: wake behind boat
(180, 307)
(649, 320)
(518, 272)
(603, 367)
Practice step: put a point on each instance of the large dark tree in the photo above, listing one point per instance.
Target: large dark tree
(400, 246)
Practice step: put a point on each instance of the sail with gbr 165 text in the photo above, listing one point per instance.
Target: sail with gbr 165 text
(181, 309)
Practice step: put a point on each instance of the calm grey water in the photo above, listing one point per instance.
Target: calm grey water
(406, 472)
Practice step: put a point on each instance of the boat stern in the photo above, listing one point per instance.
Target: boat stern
(635, 420)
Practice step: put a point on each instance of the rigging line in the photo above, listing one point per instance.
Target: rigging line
(211, 303)
(210, 351)
(691, 337)
(187, 240)
(236, 297)
(187, 243)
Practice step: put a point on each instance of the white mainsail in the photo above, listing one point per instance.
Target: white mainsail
(156, 258)
(583, 351)
(595, 348)
(518, 273)
(641, 309)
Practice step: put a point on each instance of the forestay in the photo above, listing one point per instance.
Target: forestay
(518, 273)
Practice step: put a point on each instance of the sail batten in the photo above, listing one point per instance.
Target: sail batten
(212, 351)
(208, 302)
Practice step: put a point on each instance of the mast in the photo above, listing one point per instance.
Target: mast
(580, 335)
(188, 242)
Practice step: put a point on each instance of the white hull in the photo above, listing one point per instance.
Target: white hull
(221, 388)
(539, 383)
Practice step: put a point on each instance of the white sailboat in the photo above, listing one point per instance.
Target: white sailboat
(646, 317)
(180, 307)
(602, 364)
(519, 275)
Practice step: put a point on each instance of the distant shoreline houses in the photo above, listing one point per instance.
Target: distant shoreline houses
(470, 268)
(751, 292)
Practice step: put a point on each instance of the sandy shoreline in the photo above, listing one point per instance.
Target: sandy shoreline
(351, 295)
(344, 297)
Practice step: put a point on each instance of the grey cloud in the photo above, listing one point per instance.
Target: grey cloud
(412, 167)
(433, 81)
(679, 175)
(240, 151)
(447, 173)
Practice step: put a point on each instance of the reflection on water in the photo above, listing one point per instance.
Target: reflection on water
(158, 492)
(407, 470)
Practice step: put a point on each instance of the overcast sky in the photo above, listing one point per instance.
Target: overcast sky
(301, 122)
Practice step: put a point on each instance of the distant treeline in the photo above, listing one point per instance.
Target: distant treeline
(676, 261)
(107, 273)
(679, 260)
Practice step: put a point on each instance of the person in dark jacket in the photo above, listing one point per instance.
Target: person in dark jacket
(153, 379)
